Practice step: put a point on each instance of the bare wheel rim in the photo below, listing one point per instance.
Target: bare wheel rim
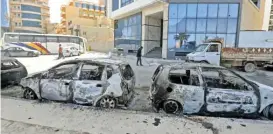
(30, 94)
(107, 102)
(171, 107)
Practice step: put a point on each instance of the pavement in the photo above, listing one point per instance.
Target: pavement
(28, 117)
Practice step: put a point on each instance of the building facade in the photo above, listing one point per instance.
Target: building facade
(77, 14)
(4, 19)
(29, 16)
(270, 27)
(86, 19)
(157, 24)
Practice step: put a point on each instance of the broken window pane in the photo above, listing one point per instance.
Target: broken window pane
(91, 72)
(224, 79)
(184, 77)
(127, 72)
(7, 65)
(66, 71)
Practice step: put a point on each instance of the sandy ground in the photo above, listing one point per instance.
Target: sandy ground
(49, 117)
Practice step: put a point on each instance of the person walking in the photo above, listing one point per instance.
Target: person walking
(139, 56)
(61, 55)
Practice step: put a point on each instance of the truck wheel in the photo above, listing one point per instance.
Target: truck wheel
(250, 67)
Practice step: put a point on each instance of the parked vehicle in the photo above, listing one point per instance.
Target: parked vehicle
(195, 88)
(71, 51)
(19, 52)
(98, 82)
(12, 71)
(247, 58)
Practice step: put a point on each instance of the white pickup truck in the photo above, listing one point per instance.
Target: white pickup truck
(247, 58)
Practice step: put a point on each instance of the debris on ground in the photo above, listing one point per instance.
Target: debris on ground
(157, 121)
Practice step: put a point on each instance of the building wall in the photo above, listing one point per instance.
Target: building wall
(29, 16)
(270, 26)
(151, 27)
(252, 16)
(263, 39)
(80, 13)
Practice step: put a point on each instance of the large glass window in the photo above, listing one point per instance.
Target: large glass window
(191, 10)
(173, 11)
(31, 23)
(128, 32)
(202, 10)
(212, 10)
(200, 21)
(31, 16)
(115, 5)
(30, 8)
(126, 2)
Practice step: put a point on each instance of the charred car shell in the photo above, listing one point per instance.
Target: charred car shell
(100, 82)
(12, 71)
(193, 88)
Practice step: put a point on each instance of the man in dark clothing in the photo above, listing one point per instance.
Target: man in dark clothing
(61, 55)
(139, 56)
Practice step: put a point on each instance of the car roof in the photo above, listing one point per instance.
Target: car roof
(191, 65)
(97, 60)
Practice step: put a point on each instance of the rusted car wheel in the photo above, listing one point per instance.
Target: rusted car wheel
(107, 102)
(29, 94)
(172, 107)
(268, 112)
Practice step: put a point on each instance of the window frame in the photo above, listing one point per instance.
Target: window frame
(233, 73)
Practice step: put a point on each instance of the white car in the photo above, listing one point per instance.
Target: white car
(71, 51)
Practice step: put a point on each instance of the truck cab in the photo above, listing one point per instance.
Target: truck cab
(206, 53)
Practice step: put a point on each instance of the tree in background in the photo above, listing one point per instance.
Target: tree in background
(181, 38)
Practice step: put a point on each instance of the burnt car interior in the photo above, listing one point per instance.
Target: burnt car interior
(184, 77)
(66, 71)
(222, 78)
(91, 72)
(6, 65)
(127, 72)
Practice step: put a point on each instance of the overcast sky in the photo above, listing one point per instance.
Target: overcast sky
(55, 9)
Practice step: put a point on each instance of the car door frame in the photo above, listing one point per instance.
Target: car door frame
(68, 83)
(224, 103)
(80, 87)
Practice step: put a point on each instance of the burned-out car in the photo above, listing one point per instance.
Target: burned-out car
(194, 88)
(12, 71)
(98, 82)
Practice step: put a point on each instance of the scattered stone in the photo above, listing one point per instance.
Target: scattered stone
(29, 118)
(228, 127)
(157, 121)
(243, 125)
(127, 118)
(232, 119)
(56, 130)
(145, 122)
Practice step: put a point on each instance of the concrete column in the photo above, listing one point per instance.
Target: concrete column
(165, 31)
